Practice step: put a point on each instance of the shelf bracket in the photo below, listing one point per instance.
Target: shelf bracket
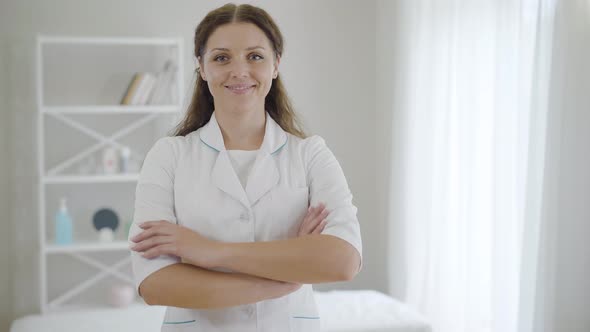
(104, 140)
(106, 270)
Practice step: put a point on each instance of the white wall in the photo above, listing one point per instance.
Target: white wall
(6, 253)
(571, 168)
(390, 70)
(329, 71)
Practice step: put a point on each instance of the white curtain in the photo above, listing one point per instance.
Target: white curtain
(474, 110)
(555, 286)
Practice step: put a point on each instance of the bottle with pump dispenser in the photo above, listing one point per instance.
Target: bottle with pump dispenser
(63, 225)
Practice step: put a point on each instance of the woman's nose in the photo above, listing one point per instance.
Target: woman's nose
(240, 69)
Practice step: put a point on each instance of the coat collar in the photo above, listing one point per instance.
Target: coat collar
(274, 136)
(264, 173)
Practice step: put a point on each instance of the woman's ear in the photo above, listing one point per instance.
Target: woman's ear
(275, 72)
(200, 70)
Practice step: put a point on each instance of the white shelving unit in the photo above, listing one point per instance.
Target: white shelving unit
(69, 114)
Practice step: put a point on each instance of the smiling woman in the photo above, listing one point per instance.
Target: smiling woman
(239, 213)
(239, 61)
(239, 47)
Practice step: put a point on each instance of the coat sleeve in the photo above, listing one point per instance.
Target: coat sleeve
(328, 185)
(154, 200)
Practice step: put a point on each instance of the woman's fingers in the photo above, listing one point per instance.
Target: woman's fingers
(312, 220)
(166, 249)
(320, 227)
(308, 215)
(320, 222)
(317, 210)
(151, 242)
(151, 229)
(308, 222)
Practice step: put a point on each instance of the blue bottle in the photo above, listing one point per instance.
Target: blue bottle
(63, 225)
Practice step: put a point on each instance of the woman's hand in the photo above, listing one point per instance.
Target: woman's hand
(314, 221)
(165, 238)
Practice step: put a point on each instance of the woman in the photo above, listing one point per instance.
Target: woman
(239, 213)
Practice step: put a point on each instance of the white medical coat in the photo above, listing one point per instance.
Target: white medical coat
(189, 180)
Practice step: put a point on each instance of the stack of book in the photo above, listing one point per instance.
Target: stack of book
(153, 88)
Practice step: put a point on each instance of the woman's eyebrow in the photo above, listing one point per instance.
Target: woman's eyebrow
(227, 50)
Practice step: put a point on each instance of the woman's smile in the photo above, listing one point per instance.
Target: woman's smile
(240, 89)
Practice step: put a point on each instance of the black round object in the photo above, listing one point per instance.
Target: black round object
(104, 218)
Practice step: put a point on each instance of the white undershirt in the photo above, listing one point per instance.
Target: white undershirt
(242, 161)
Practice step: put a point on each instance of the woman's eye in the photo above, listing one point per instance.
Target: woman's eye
(220, 58)
(256, 57)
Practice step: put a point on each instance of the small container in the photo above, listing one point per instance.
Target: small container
(110, 161)
(63, 225)
(121, 295)
(106, 235)
(124, 162)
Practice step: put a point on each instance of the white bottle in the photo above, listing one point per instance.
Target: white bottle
(110, 161)
(125, 155)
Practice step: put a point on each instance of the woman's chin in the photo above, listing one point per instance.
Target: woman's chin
(243, 107)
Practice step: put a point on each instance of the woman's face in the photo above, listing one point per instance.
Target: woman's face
(239, 65)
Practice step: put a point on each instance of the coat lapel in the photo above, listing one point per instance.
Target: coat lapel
(225, 178)
(223, 175)
(264, 174)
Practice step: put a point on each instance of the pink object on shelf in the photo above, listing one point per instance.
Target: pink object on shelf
(121, 295)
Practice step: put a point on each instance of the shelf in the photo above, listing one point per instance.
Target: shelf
(114, 178)
(112, 109)
(89, 103)
(87, 247)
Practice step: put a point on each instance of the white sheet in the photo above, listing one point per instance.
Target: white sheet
(341, 311)
(366, 311)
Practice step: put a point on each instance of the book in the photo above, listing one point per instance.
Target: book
(142, 90)
(131, 89)
(148, 88)
(164, 80)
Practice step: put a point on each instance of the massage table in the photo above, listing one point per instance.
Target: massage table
(340, 311)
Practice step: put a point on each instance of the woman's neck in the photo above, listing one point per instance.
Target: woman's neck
(241, 130)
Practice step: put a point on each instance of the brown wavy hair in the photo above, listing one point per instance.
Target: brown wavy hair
(276, 103)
